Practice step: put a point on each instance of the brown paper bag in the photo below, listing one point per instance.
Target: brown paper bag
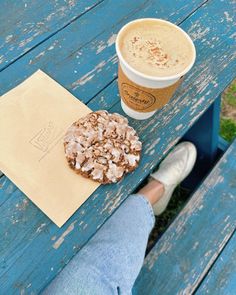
(34, 117)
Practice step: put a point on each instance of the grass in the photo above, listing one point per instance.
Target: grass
(228, 117)
(230, 94)
(228, 129)
(181, 195)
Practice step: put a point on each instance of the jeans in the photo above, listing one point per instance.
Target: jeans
(110, 262)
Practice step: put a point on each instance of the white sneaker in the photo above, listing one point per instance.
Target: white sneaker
(172, 170)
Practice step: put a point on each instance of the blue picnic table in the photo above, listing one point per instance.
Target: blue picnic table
(73, 42)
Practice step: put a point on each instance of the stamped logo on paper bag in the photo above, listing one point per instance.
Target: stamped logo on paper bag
(46, 138)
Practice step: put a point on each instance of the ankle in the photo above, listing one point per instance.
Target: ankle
(153, 191)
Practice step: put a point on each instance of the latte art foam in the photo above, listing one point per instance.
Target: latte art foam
(155, 48)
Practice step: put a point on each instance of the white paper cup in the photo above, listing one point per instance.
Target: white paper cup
(150, 88)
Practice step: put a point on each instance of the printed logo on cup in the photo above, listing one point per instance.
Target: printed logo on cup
(143, 99)
(137, 98)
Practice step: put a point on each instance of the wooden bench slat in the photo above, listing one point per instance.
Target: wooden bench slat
(26, 24)
(85, 50)
(221, 280)
(187, 250)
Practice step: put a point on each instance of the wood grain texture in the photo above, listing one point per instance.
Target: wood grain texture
(82, 56)
(31, 254)
(187, 250)
(22, 251)
(221, 280)
(25, 24)
(6, 189)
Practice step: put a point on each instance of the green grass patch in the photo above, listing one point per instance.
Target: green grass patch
(230, 95)
(228, 129)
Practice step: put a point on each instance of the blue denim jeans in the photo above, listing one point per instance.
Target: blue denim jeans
(110, 262)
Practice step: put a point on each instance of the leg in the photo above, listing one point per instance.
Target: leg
(113, 258)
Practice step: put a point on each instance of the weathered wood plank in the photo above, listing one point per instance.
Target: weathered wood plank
(221, 280)
(7, 188)
(187, 250)
(214, 70)
(110, 205)
(24, 24)
(83, 54)
(21, 200)
(168, 125)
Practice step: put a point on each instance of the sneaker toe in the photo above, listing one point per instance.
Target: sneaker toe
(190, 157)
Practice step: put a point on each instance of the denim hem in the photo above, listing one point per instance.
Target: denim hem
(151, 216)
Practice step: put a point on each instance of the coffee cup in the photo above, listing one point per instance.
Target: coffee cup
(154, 55)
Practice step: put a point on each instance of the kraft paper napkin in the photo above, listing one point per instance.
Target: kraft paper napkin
(34, 117)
